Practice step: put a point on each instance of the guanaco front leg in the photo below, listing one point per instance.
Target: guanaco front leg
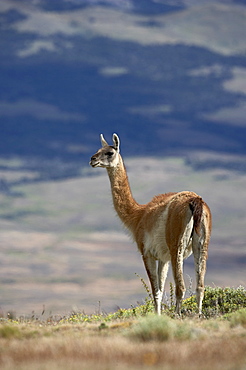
(150, 266)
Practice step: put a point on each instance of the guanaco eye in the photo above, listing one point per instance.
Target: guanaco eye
(109, 154)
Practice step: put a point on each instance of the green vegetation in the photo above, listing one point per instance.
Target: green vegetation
(219, 301)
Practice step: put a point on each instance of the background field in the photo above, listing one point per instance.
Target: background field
(62, 245)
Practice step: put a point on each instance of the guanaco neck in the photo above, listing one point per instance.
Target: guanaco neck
(125, 205)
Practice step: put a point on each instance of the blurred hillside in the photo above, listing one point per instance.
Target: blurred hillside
(62, 246)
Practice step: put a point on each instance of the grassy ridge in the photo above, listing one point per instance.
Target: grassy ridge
(132, 338)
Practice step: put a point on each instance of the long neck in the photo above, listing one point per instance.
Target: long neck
(125, 205)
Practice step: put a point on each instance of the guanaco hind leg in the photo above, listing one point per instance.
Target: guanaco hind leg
(200, 247)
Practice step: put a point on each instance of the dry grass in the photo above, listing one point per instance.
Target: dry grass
(215, 344)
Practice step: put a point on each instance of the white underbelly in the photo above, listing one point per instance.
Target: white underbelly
(155, 240)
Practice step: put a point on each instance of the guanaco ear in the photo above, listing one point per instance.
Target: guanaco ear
(103, 141)
(116, 141)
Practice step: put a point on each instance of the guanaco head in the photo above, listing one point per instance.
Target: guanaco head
(108, 155)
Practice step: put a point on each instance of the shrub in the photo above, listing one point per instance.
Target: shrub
(8, 331)
(160, 328)
(238, 318)
(218, 301)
